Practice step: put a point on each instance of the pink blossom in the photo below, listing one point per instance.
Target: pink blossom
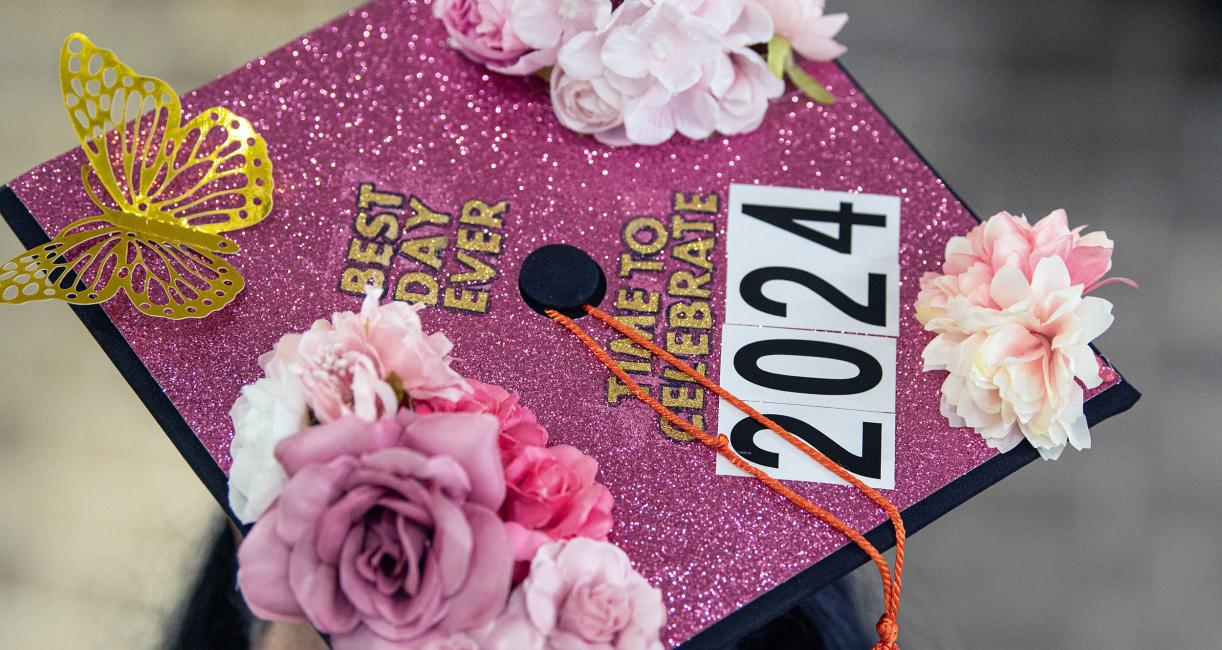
(740, 22)
(355, 363)
(666, 44)
(1005, 240)
(662, 67)
(518, 426)
(546, 25)
(658, 115)
(803, 23)
(480, 30)
(744, 100)
(586, 95)
(386, 533)
(552, 494)
(580, 595)
(1013, 370)
(594, 105)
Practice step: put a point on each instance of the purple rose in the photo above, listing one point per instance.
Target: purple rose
(386, 532)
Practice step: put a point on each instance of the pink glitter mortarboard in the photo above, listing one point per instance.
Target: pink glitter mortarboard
(378, 100)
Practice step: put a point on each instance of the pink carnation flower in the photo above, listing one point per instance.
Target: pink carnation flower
(518, 426)
(355, 363)
(1014, 370)
(386, 534)
(1005, 240)
(580, 594)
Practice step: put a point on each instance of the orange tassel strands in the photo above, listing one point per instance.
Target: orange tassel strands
(887, 627)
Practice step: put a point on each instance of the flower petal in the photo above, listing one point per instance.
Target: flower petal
(483, 594)
(470, 439)
(263, 568)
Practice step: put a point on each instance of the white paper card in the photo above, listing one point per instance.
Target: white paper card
(813, 229)
(845, 297)
(859, 441)
(788, 366)
(812, 306)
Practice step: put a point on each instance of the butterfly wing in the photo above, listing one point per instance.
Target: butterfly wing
(79, 266)
(90, 260)
(177, 280)
(211, 174)
(220, 178)
(107, 102)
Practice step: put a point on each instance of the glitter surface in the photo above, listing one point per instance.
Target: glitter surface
(378, 97)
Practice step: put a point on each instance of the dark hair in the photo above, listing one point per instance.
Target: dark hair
(214, 617)
(829, 620)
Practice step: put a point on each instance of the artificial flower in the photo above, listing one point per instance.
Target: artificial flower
(659, 114)
(457, 641)
(580, 594)
(546, 25)
(1005, 240)
(665, 43)
(518, 426)
(648, 69)
(593, 106)
(604, 83)
(268, 411)
(1013, 371)
(552, 495)
(386, 533)
(739, 22)
(480, 29)
(356, 363)
(587, 96)
(744, 101)
(803, 23)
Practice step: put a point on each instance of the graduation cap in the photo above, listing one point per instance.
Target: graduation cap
(782, 264)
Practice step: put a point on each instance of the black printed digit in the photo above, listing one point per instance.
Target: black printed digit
(789, 218)
(869, 464)
(873, 312)
(747, 360)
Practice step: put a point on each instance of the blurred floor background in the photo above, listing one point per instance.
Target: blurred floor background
(1110, 109)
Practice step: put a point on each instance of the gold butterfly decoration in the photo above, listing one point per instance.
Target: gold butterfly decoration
(165, 190)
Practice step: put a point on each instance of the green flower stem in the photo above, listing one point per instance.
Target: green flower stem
(779, 55)
(807, 83)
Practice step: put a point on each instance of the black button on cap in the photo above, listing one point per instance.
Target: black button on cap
(561, 277)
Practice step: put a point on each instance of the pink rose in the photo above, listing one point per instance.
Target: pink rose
(480, 29)
(581, 594)
(552, 495)
(1005, 240)
(386, 533)
(586, 95)
(355, 363)
(458, 641)
(593, 106)
(518, 426)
